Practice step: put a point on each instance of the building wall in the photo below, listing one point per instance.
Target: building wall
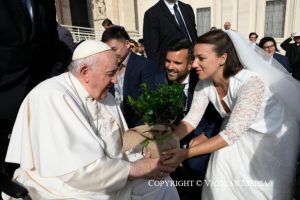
(245, 15)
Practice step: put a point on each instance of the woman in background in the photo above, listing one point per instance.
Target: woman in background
(268, 44)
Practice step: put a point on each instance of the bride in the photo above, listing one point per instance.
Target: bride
(255, 152)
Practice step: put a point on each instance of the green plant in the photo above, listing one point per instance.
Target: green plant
(160, 106)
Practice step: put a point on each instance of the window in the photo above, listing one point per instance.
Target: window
(203, 20)
(275, 18)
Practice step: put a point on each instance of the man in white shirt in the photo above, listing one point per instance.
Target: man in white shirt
(68, 136)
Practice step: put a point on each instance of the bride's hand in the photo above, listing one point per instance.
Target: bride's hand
(197, 140)
(174, 157)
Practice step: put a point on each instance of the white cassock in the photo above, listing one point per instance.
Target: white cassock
(68, 146)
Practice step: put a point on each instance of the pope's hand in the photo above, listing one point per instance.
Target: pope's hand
(150, 168)
(174, 157)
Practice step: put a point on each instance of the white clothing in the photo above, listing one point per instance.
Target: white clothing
(260, 161)
(120, 83)
(186, 84)
(69, 145)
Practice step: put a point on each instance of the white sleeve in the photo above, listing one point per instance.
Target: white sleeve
(102, 175)
(249, 100)
(198, 107)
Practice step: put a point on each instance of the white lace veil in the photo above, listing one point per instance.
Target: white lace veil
(285, 88)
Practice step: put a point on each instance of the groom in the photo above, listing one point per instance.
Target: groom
(179, 69)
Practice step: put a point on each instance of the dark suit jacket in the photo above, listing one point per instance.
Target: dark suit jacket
(65, 36)
(283, 60)
(138, 70)
(293, 53)
(29, 53)
(161, 28)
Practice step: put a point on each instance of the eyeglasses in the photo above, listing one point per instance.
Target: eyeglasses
(268, 47)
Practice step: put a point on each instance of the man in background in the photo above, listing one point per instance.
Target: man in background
(142, 48)
(293, 53)
(166, 21)
(227, 25)
(107, 23)
(30, 52)
(133, 71)
(252, 38)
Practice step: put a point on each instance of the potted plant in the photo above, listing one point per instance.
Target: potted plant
(158, 109)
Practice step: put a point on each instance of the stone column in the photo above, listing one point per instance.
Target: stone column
(63, 12)
(97, 13)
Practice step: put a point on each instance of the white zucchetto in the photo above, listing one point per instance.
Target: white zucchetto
(88, 48)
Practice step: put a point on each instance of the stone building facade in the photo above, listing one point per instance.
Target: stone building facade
(277, 18)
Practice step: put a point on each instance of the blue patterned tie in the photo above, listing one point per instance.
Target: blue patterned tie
(180, 22)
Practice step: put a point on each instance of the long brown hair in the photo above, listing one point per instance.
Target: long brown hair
(223, 44)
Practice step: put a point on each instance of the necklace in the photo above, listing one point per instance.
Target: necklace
(86, 110)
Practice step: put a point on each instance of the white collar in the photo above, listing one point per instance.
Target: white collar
(186, 80)
(171, 5)
(125, 61)
(79, 88)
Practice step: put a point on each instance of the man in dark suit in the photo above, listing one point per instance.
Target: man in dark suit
(66, 38)
(283, 60)
(166, 21)
(29, 53)
(179, 69)
(293, 53)
(133, 71)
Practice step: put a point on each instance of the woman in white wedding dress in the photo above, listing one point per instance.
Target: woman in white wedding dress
(254, 155)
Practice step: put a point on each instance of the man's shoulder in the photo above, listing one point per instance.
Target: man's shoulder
(139, 61)
(184, 5)
(155, 8)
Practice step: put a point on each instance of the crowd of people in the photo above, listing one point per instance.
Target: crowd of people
(65, 109)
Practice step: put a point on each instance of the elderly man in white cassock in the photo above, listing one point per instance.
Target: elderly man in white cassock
(67, 137)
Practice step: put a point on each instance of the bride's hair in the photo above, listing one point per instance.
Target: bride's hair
(223, 44)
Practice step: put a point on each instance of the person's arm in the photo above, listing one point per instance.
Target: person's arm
(148, 73)
(210, 126)
(285, 44)
(192, 119)
(151, 37)
(193, 23)
(101, 175)
(248, 104)
(111, 175)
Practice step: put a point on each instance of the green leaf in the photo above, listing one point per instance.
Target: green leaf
(159, 106)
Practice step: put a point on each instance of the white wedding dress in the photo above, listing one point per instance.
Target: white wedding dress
(260, 161)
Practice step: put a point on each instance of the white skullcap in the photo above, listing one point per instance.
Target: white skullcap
(297, 34)
(88, 48)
